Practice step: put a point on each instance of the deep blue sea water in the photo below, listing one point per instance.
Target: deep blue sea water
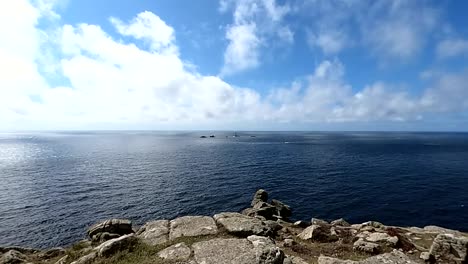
(54, 185)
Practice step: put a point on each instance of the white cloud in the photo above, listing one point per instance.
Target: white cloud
(330, 41)
(256, 23)
(243, 50)
(114, 83)
(394, 29)
(448, 93)
(147, 26)
(389, 29)
(452, 48)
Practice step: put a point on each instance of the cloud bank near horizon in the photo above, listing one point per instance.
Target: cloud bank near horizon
(81, 77)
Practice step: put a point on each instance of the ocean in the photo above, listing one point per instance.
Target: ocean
(56, 184)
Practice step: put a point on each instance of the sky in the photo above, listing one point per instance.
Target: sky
(373, 65)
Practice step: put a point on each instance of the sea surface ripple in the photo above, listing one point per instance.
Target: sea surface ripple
(56, 184)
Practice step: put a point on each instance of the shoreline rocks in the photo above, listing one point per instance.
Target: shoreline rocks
(192, 226)
(268, 211)
(109, 229)
(261, 234)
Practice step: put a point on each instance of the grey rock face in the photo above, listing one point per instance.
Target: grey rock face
(426, 256)
(192, 226)
(117, 244)
(23, 250)
(88, 259)
(259, 196)
(265, 250)
(62, 260)
(253, 250)
(373, 224)
(449, 246)
(382, 237)
(273, 225)
(102, 237)
(288, 242)
(242, 225)
(294, 260)
(264, 209)
(51, 253)
(395, 257)
(316, 221)
(228, 251)
(282, 209)
(154, 232)
(340, 222)
(113, 226)
(441, 230)
(13, 257)
(177, 252)
(317, 233)
(301, 224)
(365, 246)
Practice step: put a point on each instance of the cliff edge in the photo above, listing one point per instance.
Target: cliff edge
(260, 234)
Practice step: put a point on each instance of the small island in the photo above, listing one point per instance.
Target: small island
(260, 234)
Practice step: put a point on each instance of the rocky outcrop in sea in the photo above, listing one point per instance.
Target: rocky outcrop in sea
(260, 234)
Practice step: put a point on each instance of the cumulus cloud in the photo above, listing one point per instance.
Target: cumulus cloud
(254, 22)
(452, 48)
(394, 29)
(243, 50)
(113, 83)
(147, 26)
(389, 29)
(330, 41)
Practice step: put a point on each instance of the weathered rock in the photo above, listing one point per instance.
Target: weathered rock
(382, 237)
(265, 250)
(265, 210)
(273, 225)
(229, 251)
(259, 196)
(288, 242)
(87, 259)
(317, 233)
(63, 260)
(249, 212)
(282, 209)
(395, 257)
(23, 250)
(154, 232)
(254, 250)
(102, 237)
(113, 226)
(426, 256)
(316, 221)
(117, 244)
(441, 230)
(302, 224)
(364, 246)
(13, 257)
(449, 246)
(294, 260)
(340, 222)
(192, 226)
(51, 253)
(373, 224)
(242, 225)
(177, 252)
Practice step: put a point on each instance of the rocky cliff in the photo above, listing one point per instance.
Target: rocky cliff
(262, 233)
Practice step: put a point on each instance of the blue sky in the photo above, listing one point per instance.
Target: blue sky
(234, 64)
